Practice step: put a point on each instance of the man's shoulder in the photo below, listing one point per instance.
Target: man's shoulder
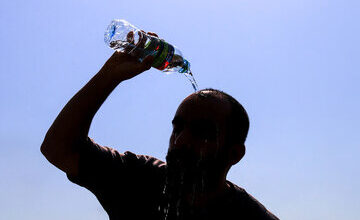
(145, 165)
(249, 205)
(131, 158)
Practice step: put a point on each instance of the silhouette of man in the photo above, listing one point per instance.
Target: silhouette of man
(209, 131)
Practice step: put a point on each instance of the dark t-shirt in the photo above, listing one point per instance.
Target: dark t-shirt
(130, 187)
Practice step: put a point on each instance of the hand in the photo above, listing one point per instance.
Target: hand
(125, 65)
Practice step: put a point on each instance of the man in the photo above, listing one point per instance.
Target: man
(210, 129)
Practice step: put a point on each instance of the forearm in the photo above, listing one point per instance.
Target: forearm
(73, 122)
(72, 125)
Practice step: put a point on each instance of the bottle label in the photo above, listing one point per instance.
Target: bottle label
(163, 53)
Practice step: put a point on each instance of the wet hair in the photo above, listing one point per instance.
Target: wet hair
(237, 122)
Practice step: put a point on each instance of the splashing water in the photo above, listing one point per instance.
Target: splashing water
(191, 78)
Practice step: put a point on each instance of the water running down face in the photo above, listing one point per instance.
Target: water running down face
(197, 155)
(201, 151)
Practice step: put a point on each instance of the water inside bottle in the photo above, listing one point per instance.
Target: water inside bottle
(119, 45)
(177, 63)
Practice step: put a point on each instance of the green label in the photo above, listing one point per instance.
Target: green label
(163, 53)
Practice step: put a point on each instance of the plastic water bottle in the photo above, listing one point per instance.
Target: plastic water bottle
(125, 37)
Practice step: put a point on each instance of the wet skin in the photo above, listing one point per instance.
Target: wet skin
(199, 125)
(197, 159)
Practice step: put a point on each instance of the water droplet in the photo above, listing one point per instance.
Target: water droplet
(178, 208)
(164, 190)
(166, 211)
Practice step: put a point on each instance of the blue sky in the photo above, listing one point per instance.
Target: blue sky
(294, 65)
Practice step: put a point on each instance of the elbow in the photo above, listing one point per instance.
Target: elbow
(44, 149)
(48, 146)
(45, 145)
(47, 149)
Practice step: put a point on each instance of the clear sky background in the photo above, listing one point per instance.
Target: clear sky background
(294, 65)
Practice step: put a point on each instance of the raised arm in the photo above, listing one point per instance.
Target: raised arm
(72, 125)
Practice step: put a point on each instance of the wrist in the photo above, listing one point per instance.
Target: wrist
(112, 75)
(108, 76)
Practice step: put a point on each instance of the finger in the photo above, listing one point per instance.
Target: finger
(152, 34)
(138, 49)
(130, 39)
(134, 52)
(147, 62)
(143, 38)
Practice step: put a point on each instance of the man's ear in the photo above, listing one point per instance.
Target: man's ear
(236, 153)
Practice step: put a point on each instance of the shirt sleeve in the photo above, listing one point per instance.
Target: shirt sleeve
(101, 167)
(251, 207)
(259, 210)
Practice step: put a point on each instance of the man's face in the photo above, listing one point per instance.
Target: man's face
(199, 125)
(196, 148)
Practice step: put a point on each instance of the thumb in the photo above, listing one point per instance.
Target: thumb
(147, 62)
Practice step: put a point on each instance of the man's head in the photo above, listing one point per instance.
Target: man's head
(209, 131)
